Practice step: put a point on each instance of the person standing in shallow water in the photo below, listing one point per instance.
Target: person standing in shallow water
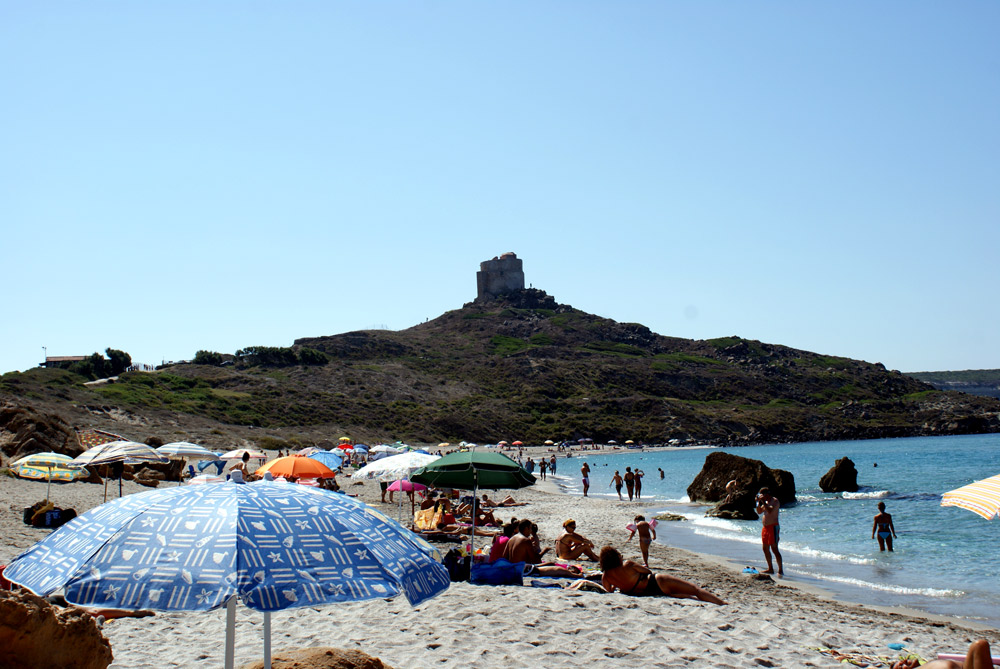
(585, 473)
(767, 506)
(616, 481)
(630, 483)
(883, 527)
(638, 482)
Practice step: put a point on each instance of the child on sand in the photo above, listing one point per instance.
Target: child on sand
(646, 535)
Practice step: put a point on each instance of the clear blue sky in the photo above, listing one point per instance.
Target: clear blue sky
(178, 176)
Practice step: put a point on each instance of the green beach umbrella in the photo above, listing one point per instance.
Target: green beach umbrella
(470, 470)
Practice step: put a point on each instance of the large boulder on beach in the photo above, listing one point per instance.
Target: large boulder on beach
(750, 476)
(321, 657)
(33, 633)
(24, 431)
(842, 477)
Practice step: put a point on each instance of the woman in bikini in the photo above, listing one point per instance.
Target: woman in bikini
(633, 579)
(883, 526)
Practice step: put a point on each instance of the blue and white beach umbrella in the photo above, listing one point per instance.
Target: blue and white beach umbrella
(331, 460)
(196, 548)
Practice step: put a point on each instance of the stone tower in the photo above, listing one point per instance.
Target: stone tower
(499, 276)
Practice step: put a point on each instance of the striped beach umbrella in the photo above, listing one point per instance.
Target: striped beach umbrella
(126, 452)
(982, 497)
(129, 452)
(47, 467)
(185, 450)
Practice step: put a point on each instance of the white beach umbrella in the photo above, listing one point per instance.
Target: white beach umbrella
(238, 454)
(394, 467)
(202, 479)
(185, 450)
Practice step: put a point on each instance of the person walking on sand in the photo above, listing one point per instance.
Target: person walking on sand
(767, 506)
(629, 482)
(646, 536)
(883, 526)
(616, 481)
(585, 473)
(543, 465)
(638, 482)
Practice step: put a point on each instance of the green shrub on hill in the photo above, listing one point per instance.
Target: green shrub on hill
(501, 345)
(614, 348)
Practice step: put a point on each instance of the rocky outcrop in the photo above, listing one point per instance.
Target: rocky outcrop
(750, 476)
(24, 431)
(33, 633)
(321, 658)
(842, 477)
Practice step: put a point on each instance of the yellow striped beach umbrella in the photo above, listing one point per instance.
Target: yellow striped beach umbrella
(48, 467)
(982, 497)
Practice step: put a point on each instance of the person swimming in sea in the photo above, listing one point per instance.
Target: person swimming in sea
(883, 528)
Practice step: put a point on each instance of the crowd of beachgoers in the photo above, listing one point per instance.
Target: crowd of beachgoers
(667, 607)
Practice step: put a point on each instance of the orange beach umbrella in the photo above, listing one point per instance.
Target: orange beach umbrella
(297, 466)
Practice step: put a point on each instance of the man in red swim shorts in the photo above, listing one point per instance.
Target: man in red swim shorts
(767, 506)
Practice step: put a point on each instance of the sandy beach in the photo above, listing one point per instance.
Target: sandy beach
(765, 623)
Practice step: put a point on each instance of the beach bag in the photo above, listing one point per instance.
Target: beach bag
(457, 565)
(500, 572)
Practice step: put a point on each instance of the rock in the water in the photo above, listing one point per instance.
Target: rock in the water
(750, 476)
(842, 477)
(33, 633)
(321, 657)
(732, 511)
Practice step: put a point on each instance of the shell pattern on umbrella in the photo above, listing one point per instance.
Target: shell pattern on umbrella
(189, 548)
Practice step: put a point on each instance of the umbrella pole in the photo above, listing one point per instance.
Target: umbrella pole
(48, 486)
(230, 631)
(267, 640)
(472, 537)
(399, 509)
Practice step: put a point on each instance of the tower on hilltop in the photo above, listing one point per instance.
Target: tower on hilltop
(499, 276)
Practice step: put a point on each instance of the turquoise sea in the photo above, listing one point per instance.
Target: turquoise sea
(946, 560)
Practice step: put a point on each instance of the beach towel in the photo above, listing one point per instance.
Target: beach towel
(500, 572)
(426, 519)
(865, 660)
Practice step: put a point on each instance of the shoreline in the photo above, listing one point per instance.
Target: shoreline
(733, 565)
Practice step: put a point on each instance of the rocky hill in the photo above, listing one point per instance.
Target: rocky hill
(517, 367)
